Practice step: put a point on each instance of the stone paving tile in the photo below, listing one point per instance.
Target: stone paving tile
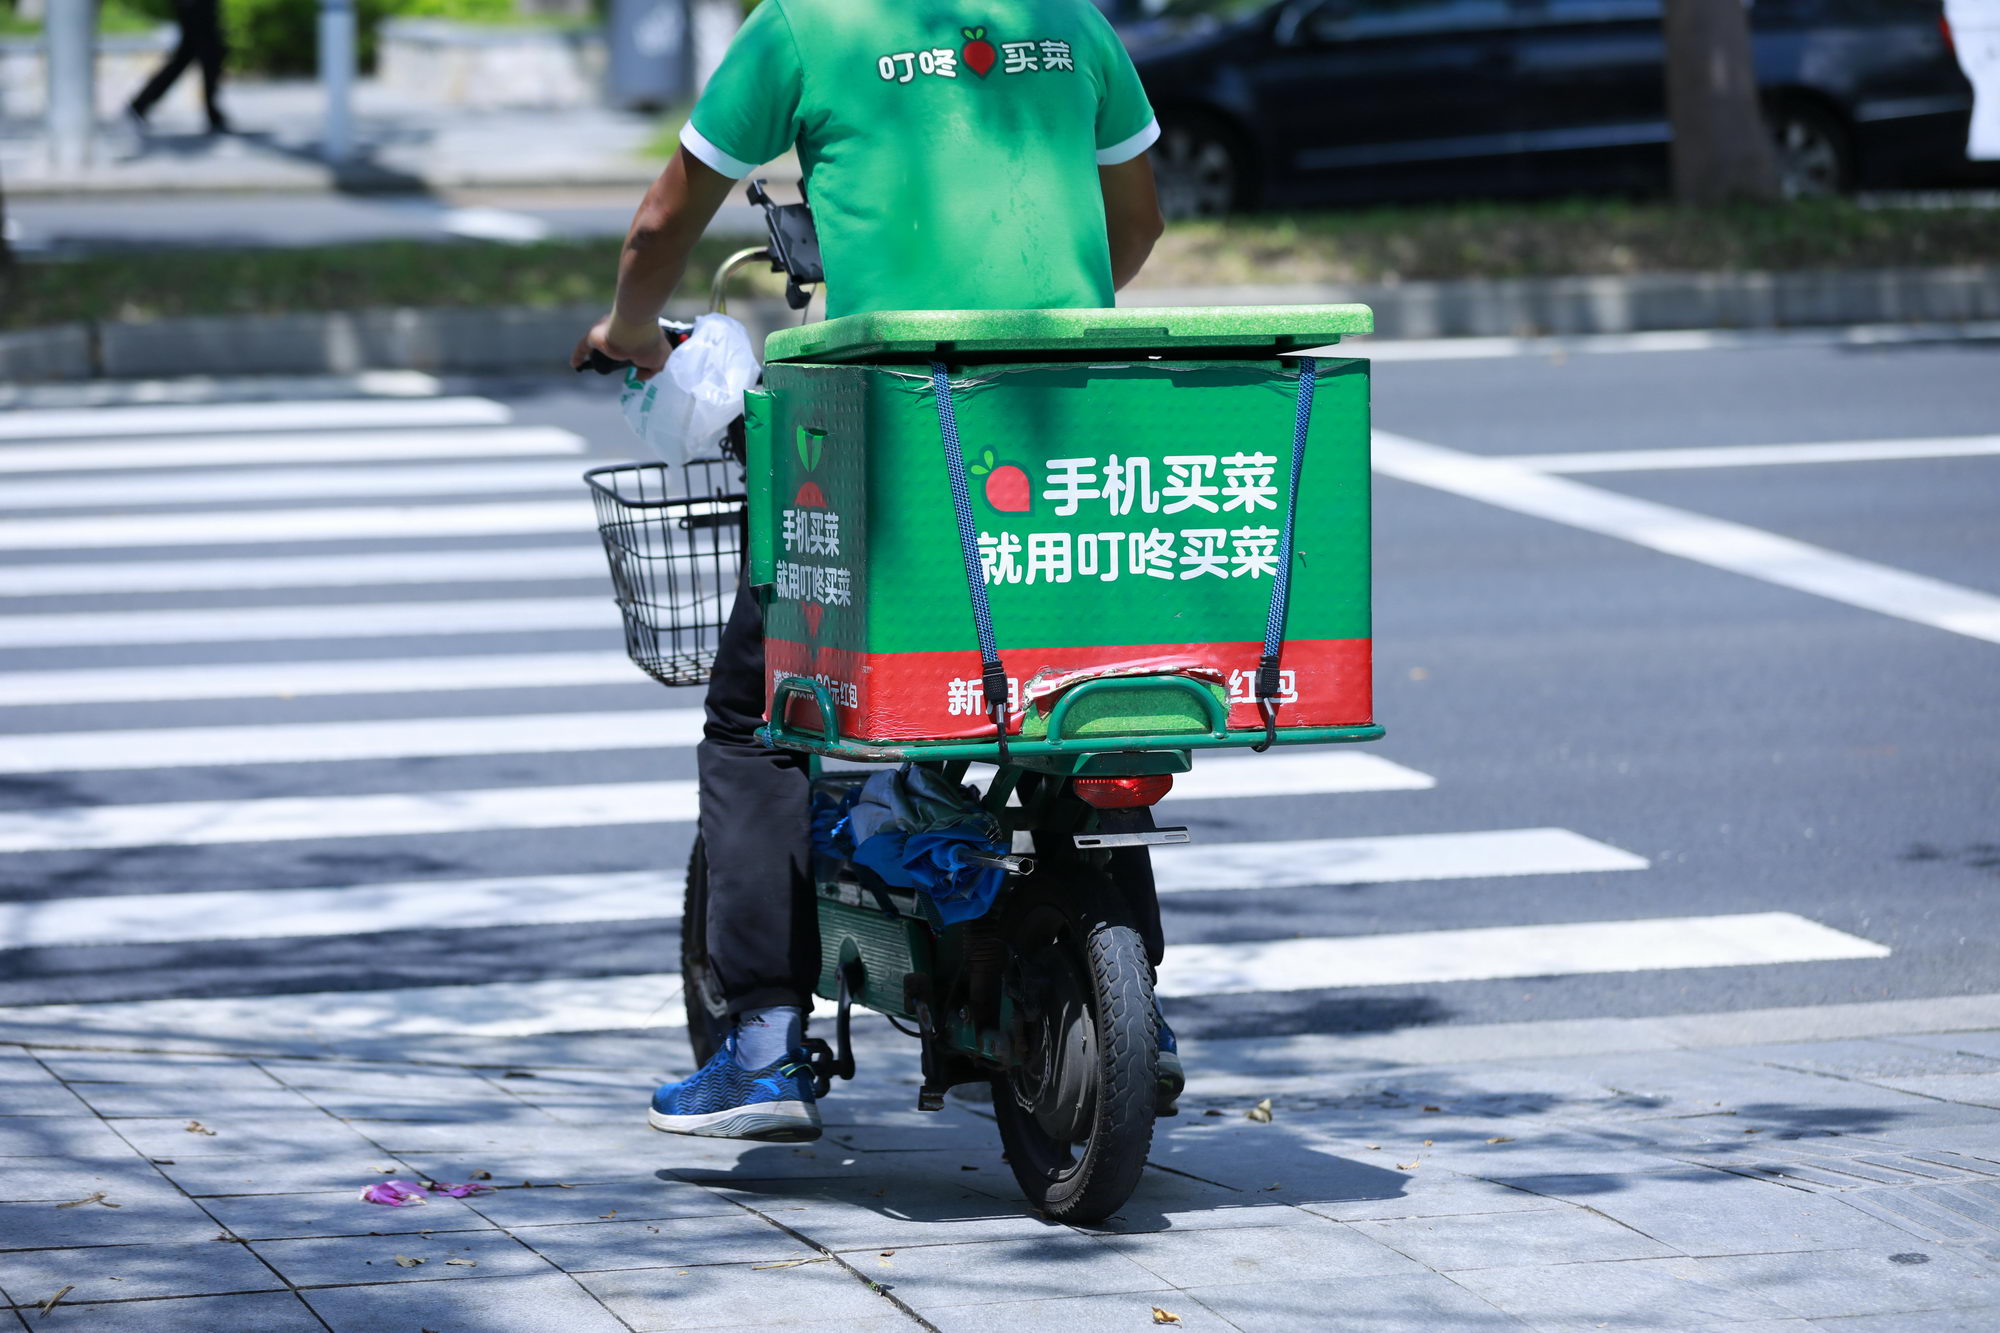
(186, 1101)
(885, 1210)
(297, 1173)
(44, 1096)
(1261, 1254)
(1503, 1240)
(1927, 1321)
(1832, 1283)
(135, 1272)
(289, 1216)
(668, 1243)
(57, 1136)
(537, 1304)
(1081, 1314)
(1642, 1295)
(265, 1312)
(877, 1324)
(1408, 1303)
(378, 1080)
(1970, 1089)
(1963, 1043)
(309, 1131)
(577, 1166)
(985, 1272)
(1434, 1194)
(60, 1179)
(327, 1261)
(822, 1295)
(201, 1072)
(369, 1115)
(776, 1161)
(1862, 1058)
(1166, 1202)
(636, 1201)
(1703, 1212)
(148, 1218)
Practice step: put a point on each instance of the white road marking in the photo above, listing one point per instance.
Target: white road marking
(1759, 455)
(1384, 860)
(255, 527)
(652, 1000)
(354, 909)
(315, 447)
(304, 680)
(334, 742)
(1709, 541)
(468, 904)
(1664, 340)
(126, 423)
(396, 814)
(514, 564)
(218, 389)
(1313, 772)
(494, 224)
(325, 483)
(493, 1009)
(259, 623)
(1576, 948)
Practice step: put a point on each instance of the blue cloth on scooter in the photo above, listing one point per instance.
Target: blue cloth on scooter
(912, 828)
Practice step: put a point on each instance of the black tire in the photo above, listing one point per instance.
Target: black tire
(707, 1017)
(1815, 151)
(1082, 1170)
(1199, 168)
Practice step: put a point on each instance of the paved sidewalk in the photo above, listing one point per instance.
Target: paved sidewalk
(1622, 1175)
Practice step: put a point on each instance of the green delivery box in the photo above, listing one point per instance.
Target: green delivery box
(1129, 473)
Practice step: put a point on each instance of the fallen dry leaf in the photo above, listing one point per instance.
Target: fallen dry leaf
(1268, 1188)
(1753, 1131)
(1374, 1147)
(968, 1168)
(196, 1127)
(1434, 1108)
(1165, 1316)
(790, 1263)
(461, 1263)
(50, 1303)
(1429, 1143)
(1408, 1166)
(478, 1175)
(1214, 1110)
(887, 1253)
(1260, 1113)
(612, 1213)
(97, 1197)
(405, 1261)
(1501, 1138)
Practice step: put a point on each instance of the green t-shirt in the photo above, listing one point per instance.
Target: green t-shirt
(950, 149)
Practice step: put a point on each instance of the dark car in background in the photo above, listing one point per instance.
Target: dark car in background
(1330, 101)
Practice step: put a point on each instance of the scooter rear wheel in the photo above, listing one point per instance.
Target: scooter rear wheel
(1076, 1116)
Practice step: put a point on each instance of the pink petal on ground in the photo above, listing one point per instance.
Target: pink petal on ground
(456, 1191)
(394, 1193)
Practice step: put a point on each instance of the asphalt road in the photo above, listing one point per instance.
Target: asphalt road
(1797, 785)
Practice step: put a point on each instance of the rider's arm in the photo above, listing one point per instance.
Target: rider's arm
(671, 218)
(1131, 215)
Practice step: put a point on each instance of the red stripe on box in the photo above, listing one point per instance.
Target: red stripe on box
(911, 696)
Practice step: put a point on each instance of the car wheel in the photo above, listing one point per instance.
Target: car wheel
(1197, 170)
(1814, 158)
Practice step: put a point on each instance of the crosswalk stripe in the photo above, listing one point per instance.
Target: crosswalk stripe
(323, 483)
(305, 680)
(332, 742)
(523, 900)
(321, 447)
(125, 423)
(360, 620)
(356, 909)
(652, 1000)
(250, 527)
(397, 814)
(1385, 860)
(1489, 953)
(366, 569)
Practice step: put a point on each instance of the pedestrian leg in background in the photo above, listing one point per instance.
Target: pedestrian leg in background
(200, 43)
(763, 936)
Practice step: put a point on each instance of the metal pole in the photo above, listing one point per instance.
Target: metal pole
(336, 75)
(70, 31)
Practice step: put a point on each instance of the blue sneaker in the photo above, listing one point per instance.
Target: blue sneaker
(1172, 1078)
(723, 1100)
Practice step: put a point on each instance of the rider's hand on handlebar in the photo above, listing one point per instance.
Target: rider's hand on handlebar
(644, 345)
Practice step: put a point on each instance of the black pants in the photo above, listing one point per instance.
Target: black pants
(201, 42)
(763, 933)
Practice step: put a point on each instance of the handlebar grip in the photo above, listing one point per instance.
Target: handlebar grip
(602, 364)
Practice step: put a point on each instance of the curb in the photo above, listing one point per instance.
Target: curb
(483, 341)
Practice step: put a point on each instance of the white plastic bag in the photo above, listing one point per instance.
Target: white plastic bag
(682, 412)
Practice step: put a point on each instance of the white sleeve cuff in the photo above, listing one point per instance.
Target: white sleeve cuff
(1130, 148)
(698, 146)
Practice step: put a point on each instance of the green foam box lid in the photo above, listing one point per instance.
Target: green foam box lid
(1178, 332)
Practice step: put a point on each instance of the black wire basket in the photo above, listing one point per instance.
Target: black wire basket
(675, 539)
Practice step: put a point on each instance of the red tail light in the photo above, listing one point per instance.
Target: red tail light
(1124, 793)
(1950, 45)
